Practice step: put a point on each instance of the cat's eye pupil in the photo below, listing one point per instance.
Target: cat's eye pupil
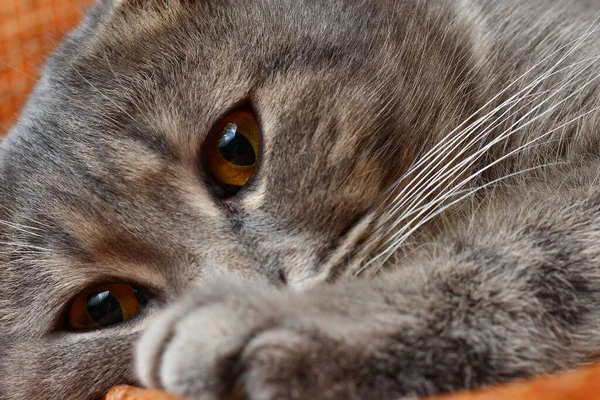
(104, 308)
(105, 305)
(232, 151)
(235, 147)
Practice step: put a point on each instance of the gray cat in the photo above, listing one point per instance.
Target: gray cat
(344, 199)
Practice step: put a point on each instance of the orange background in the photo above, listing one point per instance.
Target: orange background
(29, 30)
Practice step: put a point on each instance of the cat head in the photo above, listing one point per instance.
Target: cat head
(123, 167)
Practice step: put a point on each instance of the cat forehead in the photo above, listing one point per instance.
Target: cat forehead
(326, 93)
(322, 77)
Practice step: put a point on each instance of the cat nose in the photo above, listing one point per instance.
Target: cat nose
(280, 274)
(294, 261)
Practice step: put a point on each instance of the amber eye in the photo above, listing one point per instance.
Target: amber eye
(103, 306)
(233, 149)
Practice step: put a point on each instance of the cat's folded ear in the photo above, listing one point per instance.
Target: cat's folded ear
(108, 9)
(116, 4)
(104, 12)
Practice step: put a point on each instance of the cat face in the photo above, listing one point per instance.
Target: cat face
(108, 178)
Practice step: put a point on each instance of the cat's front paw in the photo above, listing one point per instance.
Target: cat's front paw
(237, 342)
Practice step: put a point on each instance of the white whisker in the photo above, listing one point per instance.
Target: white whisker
(442, 147)
(448, 170)
(22, 247)
(437, 201)
(99, 91)
(22, 228)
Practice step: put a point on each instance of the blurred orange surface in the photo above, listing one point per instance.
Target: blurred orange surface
(29, 30)
(583, 384)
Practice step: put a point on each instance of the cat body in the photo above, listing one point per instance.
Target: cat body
(424, 215)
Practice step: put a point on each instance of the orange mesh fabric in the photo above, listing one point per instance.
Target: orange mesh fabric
(29, 30)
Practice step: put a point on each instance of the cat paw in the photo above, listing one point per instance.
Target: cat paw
(238, 342)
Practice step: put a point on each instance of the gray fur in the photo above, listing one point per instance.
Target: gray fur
(282, 289)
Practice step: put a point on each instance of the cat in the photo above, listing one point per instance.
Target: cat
(277, 199)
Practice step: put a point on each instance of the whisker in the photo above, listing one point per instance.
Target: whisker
(18, 70)
(22, 228)
(446, 171)
(431, 157)
(36, 222)
(119, 81)
(438, 200)
(415, 189)
(467, 193)
(98, 90)
(442, 146)
(16, 246)
(425, 174)
(441, 198)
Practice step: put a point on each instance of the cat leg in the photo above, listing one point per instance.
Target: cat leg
(513, 292)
